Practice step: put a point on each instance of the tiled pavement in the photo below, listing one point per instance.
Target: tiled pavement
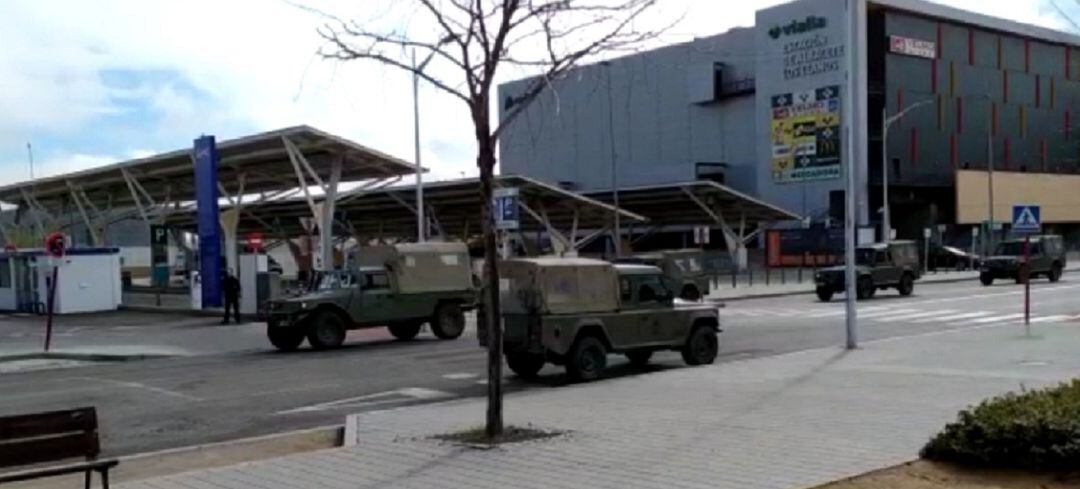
(786, 421)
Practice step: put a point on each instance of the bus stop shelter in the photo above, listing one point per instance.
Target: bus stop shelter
(254, 169)
(452, 209)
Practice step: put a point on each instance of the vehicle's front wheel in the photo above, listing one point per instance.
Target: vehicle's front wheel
(907, 285)
(690, 293)
(701, 347)
(587, 359)
(986, 279)
(405, 331)
(449, 321)
(285, 338)
(864, 288)
(327, 330)
(525, 365)
(639, 358)
(824, 294)
(1055, 272)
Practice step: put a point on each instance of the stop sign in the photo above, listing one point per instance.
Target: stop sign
(55, 244)
(255, 241)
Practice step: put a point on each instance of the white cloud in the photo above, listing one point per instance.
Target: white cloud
(252, 65)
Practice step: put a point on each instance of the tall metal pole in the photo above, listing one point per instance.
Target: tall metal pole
(30, 155)
(614, 168)
(886, 217)
(990, 176)
(421, 233)
(851, 319)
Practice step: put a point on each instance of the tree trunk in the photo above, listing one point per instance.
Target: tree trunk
(485, 160)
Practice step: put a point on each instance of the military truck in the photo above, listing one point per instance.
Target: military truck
(574, 311)
(878, 266)
(401, 287)
(684, 267)
(1046, 257)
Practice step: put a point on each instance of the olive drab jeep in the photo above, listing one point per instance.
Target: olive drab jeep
(684, 267)
(878, 266)
(1045, 255)
(401, 287)
(574, 312)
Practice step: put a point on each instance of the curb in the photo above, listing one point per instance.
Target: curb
(183, 311)
(87, 357)
(231, 452)
(171, 461)
(768, 295)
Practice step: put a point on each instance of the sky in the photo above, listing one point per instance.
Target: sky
(95, 83)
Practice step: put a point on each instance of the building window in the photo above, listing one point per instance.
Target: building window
(5, 274)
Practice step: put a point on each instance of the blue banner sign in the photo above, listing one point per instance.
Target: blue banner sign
(206, 199)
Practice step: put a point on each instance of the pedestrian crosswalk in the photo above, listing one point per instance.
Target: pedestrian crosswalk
(900, 314)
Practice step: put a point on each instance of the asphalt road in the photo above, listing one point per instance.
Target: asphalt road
(233, 385)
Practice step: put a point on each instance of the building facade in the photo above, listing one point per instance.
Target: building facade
(782, 109)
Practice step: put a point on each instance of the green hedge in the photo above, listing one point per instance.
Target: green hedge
(1037, 429)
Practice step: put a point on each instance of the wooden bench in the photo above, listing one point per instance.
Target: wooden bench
(42, 438)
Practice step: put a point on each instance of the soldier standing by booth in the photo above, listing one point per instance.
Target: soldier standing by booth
(231, 291)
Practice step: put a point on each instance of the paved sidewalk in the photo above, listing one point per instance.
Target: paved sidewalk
(787, 421)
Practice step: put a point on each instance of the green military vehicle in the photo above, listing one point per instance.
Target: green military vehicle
(1046, 257)
(574, 311)
(878, 266)
(401, 287)
(684, 267)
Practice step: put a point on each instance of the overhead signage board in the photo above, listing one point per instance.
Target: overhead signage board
(806, 135)
(913, 47)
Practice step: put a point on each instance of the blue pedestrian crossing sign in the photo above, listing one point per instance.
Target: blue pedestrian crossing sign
(1026, 218)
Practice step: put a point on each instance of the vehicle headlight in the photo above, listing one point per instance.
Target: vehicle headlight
(303, 305)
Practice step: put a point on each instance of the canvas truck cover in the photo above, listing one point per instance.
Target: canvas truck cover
(422, 267)
(559, 286)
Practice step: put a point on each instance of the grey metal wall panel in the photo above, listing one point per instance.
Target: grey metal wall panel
(985, 49)
(1021, 88)
(1047, 59)
(1012, 53)
(954, 43)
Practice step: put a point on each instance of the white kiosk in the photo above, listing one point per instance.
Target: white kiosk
(89, 280)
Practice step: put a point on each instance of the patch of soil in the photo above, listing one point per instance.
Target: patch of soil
(933, 475)
(511, 434)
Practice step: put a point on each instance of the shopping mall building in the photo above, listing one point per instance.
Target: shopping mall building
(780, 110)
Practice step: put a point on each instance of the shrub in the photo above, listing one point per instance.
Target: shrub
(1038, 429)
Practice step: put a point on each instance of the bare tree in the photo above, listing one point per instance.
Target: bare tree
(472, 40)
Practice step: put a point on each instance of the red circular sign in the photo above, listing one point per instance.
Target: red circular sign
(55, 244)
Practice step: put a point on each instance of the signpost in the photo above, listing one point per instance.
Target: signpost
(55, 246)
(1027, 220)
(507, 215)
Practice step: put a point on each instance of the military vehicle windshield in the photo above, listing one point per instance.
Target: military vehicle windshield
(1012, 248)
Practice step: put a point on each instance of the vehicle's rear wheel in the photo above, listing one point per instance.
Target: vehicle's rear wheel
(587, 359)
(327, 330)
(864, 288)
(1055, 272)
(824, 294)
(639, 358)
(986, 279)
(701, 347)
(907, 285)
(525, 365)
(406, 330)
(690, 293)
(449, 321)
(285, 338)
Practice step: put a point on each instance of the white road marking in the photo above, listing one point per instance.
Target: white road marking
(878, 314)
(138, 385)
(992, 319)
(386, 397)
(460, 376)
(954, 317)
(904, 317)
(1050, 319)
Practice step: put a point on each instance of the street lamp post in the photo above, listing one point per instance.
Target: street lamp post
(614, 168)
(421, 231)
(886, 123)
